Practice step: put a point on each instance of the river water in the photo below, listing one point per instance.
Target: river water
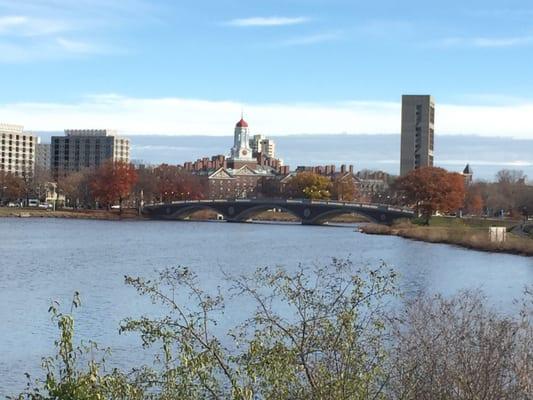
(48, 259)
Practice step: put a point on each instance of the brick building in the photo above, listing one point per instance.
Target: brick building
(244, 182)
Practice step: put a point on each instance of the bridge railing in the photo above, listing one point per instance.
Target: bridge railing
(274, 202)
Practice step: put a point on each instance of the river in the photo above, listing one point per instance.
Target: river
(48, 259)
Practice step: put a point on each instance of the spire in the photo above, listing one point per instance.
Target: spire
(242, 123)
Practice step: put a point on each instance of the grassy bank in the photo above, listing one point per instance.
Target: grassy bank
(471, 234)
(71, 214)
(287, 217)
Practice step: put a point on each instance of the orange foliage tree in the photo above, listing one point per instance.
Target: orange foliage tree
(113, 182)
(474, 202)
(432, 189)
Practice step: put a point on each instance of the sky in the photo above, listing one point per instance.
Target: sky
(292, 66)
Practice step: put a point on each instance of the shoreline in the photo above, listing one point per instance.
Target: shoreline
(463, 236)
(130, 214)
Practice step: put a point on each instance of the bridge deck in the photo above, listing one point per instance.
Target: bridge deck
(309, 211)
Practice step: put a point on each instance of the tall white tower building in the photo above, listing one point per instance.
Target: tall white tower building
(241, 152)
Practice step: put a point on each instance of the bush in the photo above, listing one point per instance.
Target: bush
(316, 333)
(458, 349)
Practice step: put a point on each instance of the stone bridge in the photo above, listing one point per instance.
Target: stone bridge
(310, 212)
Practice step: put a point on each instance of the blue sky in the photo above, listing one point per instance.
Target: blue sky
(189, 67)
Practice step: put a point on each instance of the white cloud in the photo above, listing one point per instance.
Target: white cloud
(53, 48)
(267, 21)
(25, 26)
(37, 30)
(311, 39)
(179, 116)
(77, 46)
(9, 22)
(486, 42)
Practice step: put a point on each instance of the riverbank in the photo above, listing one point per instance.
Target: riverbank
(111, 215)
(132, 214)
(471, 234)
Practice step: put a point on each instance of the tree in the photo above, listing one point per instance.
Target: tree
(75, 188)
(270, 188)
(40, 180)
(310, 186)
(344, 188)
(146, 183)
(432, 189)
(473, 201)
(326, 342)
(510, 176)
(510, 193)
(113, 182)
(173, 183)
(11, 187)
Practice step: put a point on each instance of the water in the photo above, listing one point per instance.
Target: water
(45, 259)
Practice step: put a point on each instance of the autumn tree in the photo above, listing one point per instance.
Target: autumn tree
(113, 182)
(310, 186)
(75, 188)
(11, 187)
(146, 184)
(344, 188)
(473, 201)
(173, 183)
(39, 182)
(432, 189)
(509, 192)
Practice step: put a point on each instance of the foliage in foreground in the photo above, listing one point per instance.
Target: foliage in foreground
(321, 333)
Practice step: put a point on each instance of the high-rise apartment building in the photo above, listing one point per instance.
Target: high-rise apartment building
(42, 156)
(17, 150)
(255, 143)
(86, 149)
(268, 148)
(263, 145)
(418, 132)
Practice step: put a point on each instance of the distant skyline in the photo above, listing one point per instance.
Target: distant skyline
(379, 152)
(294, 67)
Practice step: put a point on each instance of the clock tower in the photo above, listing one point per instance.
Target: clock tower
(241, 153)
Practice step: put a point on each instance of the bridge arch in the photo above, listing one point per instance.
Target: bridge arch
(182, 213)
(257, 209)
(329, 214)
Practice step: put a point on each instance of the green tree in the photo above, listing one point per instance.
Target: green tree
(310, 186)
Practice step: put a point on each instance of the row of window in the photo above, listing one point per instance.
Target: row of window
(17, 137)
(29, 149)
(15, 160)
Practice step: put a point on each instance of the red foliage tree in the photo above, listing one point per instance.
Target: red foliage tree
(432, 189)
(113, 182)
(173, 183)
